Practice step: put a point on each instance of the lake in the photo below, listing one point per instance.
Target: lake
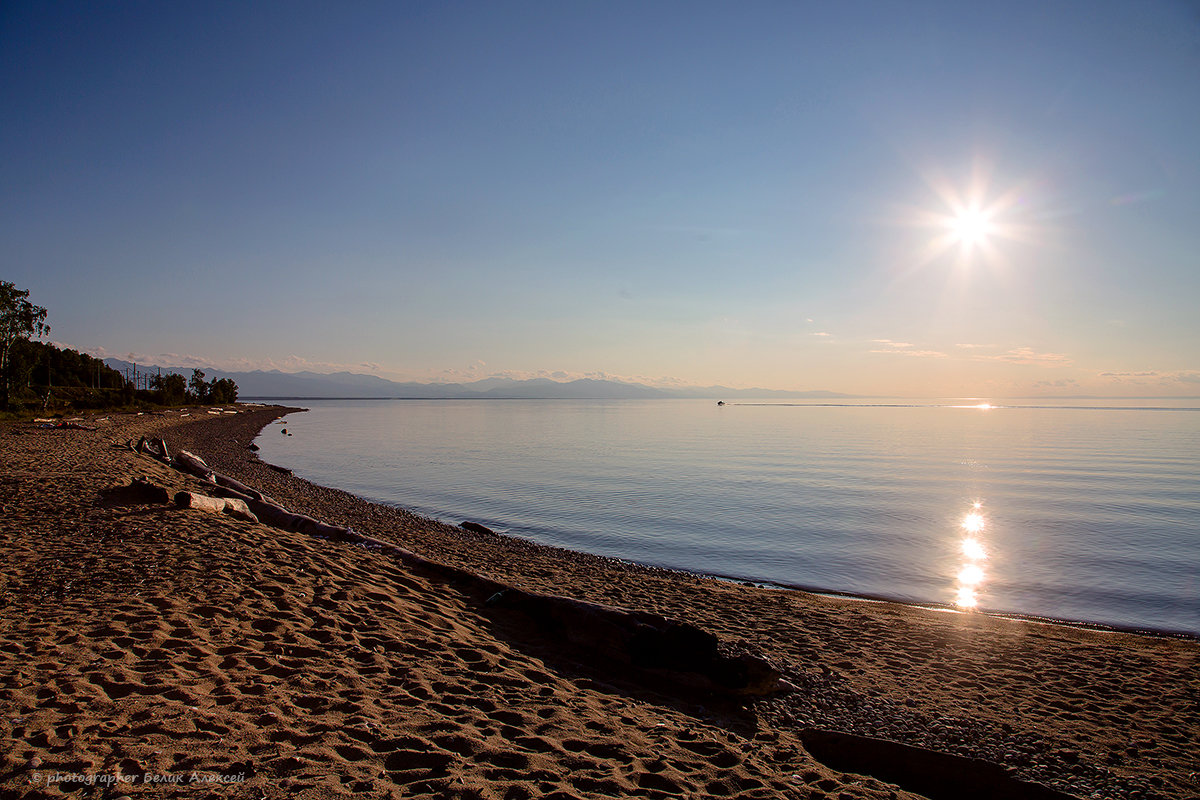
(1086, 512)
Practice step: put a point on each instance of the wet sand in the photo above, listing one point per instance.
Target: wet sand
(144, 646)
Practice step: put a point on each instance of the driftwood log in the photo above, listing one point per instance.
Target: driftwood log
(679, 651)
(228, 505)
(152, 447)
(929, 773)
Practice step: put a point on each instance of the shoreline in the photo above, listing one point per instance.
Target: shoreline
(945, 607)
(322, 666)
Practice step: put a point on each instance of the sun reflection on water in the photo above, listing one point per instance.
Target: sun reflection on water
(971, 574)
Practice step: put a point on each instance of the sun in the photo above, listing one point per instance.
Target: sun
(971, 220)
(971, 227)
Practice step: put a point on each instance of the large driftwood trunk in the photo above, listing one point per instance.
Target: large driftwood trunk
(685, 653)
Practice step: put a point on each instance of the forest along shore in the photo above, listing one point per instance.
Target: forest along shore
(142, 643)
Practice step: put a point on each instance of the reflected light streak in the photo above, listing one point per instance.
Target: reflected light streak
(970, 573)
(973, 549)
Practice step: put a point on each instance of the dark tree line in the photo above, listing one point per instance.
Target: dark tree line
(19, 320)
(175, 391)
(36, 374)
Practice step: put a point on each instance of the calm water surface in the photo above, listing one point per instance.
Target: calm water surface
(1069, 512)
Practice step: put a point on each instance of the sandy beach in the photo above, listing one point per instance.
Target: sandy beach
(150, 650)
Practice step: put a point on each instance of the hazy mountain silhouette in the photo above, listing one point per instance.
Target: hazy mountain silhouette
(273, 384)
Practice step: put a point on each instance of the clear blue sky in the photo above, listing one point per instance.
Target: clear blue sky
(888, 198)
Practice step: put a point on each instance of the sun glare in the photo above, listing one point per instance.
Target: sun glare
(971, 575)
(971, 227)
(974, 549)
(970, 220)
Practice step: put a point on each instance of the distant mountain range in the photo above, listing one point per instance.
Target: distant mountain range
(276, 385)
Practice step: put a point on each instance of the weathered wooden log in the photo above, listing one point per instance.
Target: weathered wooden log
(217, 505)
(680, 651)
(241, 490)
(153, 447)
(271, 513)
(148, 491)
(687, 654)
(200, 502)
(194, 465)
(929, 773)
(239, 508)
(475, 527)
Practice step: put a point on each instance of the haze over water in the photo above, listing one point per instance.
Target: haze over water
(1081, 513)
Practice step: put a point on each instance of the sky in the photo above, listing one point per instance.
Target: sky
(914, 198)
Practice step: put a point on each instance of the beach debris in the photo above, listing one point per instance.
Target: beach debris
(139, 491)
(263, 508)
(234, 507)
(284, 470)
(680, 653)
(65, 425)
(153, 447)
(147, 491)
(929, 773)
(194, 465)
(475, 527)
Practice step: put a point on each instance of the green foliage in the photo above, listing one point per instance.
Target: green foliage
(171, 389)
(197, 388)
(48, 378)
(214, 392)
(223, 391)
(41, 376)
(20, 320)
(36, 363)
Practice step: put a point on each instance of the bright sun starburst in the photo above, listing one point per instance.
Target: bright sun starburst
(971, 221)
(971, 227)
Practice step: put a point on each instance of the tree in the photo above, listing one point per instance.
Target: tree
(223, 391)
(197, 387)
(171, 388)
(19, 319)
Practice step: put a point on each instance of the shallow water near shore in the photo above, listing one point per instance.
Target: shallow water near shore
(1087, 512)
